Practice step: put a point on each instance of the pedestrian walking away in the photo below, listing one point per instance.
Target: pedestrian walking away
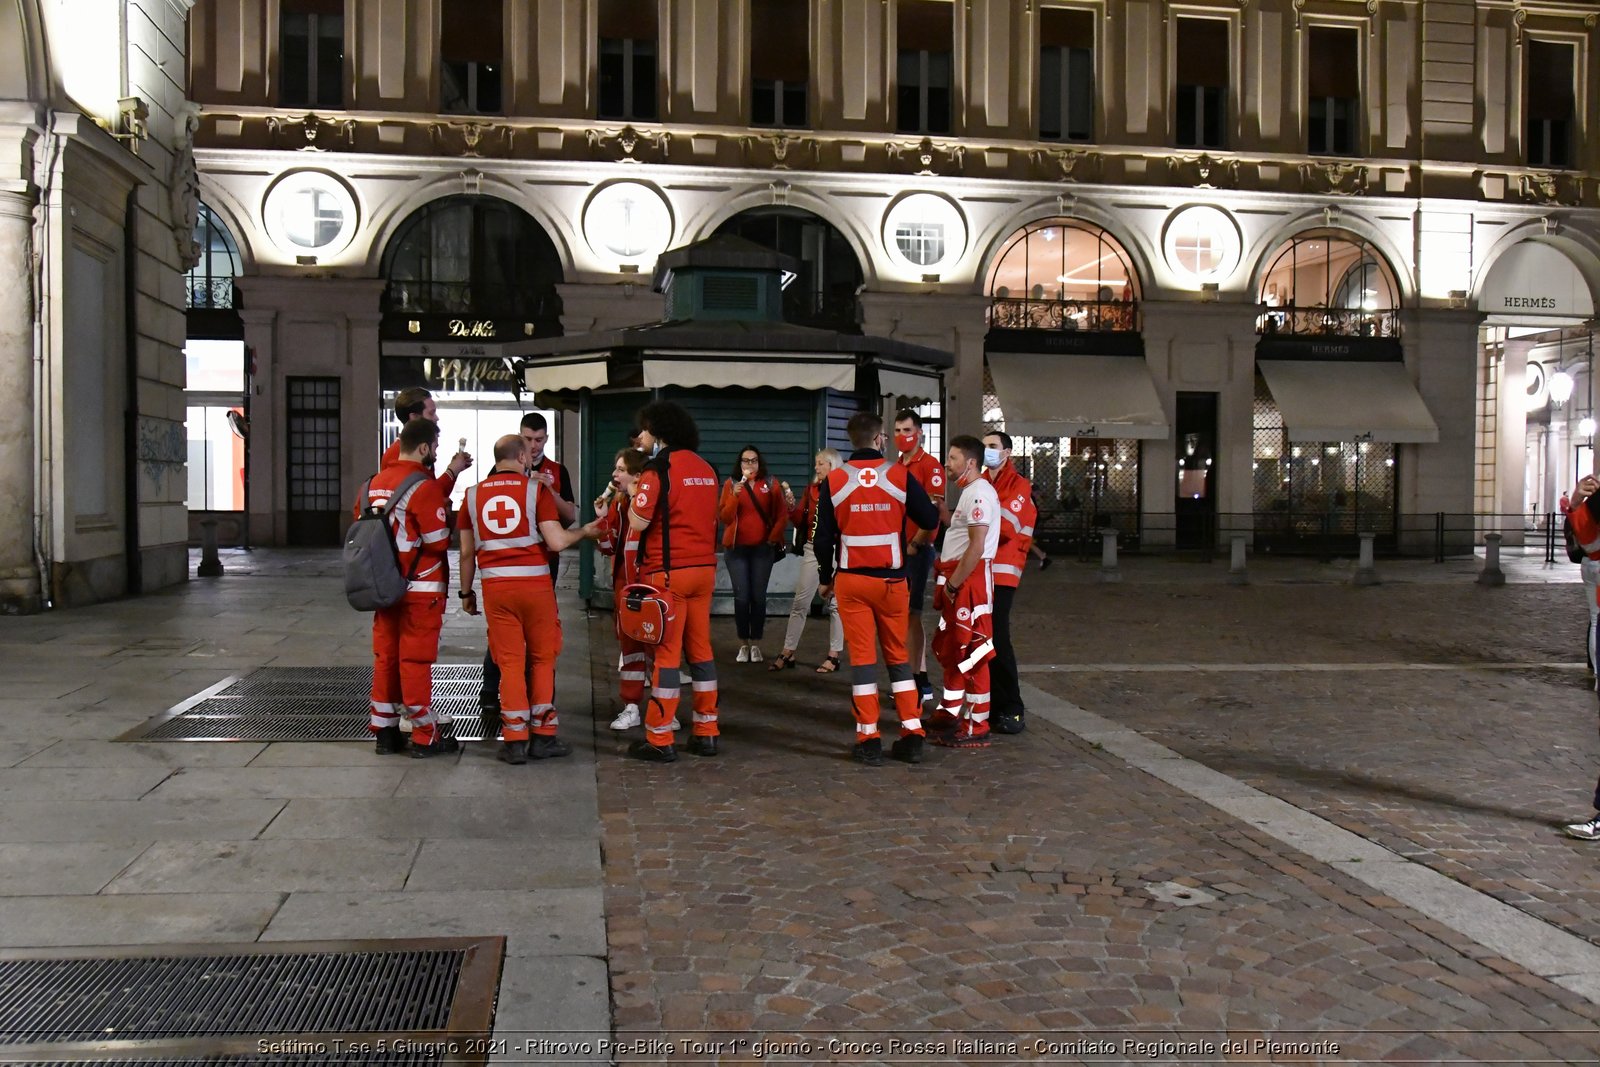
(620, 542)
(920, 544)
(965, 597)
(1017, 517)
(510, 529)
(803, 516)
(753, 515)
(535, 433)
(405, 636)
(860, 536)
(1585, 518)
(675, 513)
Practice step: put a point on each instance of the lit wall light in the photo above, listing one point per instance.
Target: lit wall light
(1586, 427)
(1208, 292)
(1561, 384)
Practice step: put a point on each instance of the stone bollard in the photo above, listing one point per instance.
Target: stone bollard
(1236, 564)
(210, 562)
(1108, 557)
(1491, 573)
(1366, 574)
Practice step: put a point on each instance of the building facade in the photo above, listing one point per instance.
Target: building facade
(97, 218)
(1301, 254)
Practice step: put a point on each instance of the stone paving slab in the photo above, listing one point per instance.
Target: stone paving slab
(536, 989)
(98, 753)
(379, 779)
(268, 866)
(543, 861)
(79, 783)
(63, 868)
(136, 820)
(59, 921)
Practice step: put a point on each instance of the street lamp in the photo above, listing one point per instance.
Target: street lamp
(1561, 384)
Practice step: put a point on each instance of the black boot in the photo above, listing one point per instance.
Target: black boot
(390, 741)
(1007, 724)
(644, 750)
(513, 752)
(703, 746)
(908, 749)
(869, 752)
(542, 747)
(442, 746)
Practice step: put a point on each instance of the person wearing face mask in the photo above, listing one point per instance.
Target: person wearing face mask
(920, 551)
(1017, 515)
(405, 635)
(964, 595)
(554, 478)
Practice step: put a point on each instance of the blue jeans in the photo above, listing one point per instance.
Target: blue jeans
(749, 568)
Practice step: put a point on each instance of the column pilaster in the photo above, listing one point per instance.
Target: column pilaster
(19, 576)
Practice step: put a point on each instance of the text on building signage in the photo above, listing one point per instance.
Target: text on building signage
(1547, 302)
(473, 328)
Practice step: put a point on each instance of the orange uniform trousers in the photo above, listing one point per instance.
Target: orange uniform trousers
(524, 636)
(634, 664)
(688, 636)
(877, 611)
(405, 643)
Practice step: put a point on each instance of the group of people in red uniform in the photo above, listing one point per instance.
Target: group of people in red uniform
(874, 527)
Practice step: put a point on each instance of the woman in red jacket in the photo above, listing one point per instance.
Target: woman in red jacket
(753, 514)
(621, 543)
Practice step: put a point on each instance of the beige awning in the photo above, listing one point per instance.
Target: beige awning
(1051, 395)
(570, 375)
(918, 388)
(1349, 401)
(750, 374)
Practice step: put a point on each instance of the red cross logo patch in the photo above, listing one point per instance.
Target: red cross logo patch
(963, 614)
(502, 516)
(1016, 505)
(868, 478)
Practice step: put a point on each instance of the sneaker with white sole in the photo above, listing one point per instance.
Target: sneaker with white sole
(675, 724)
(1584, 831)
(755, 654)
(627, 719)
(744, 654)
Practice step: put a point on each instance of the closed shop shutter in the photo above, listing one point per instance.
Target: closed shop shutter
(781, 424)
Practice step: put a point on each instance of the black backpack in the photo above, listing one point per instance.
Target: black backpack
(372, 576)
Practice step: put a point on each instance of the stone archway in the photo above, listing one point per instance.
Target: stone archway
(823, 293)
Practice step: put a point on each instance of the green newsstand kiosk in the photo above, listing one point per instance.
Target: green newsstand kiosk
(724, 351)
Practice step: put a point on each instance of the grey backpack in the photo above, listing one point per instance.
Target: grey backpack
(372, 575)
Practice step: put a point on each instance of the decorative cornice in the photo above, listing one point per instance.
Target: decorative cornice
(923, 153)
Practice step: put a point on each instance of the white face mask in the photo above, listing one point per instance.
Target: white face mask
(991, 458)
(654, 448)
(535, 458)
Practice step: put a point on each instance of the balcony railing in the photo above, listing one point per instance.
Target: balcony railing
(209, 294)
(1025, 313)
(1327, 322)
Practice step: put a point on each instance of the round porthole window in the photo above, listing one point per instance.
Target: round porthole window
(1201, 244)
(309, 213)
(627, 223)
(924, 233)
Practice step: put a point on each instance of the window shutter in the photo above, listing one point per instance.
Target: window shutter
(1334, 64)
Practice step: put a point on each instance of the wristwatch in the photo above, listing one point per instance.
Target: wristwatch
(466, 593)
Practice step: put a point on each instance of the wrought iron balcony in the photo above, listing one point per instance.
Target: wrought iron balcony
(1328, 322)
(209, 294)
(1025, 313)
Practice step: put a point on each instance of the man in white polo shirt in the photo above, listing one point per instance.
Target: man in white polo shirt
(965, 596)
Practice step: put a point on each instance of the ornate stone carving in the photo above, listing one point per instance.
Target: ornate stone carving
(310, 128)
(1551, 188)
(1335, 178)
(1065, 164)
(779, 146)
(183, 188)
(473, 144)
(923, 154)
(627, 140)
(1204, 172)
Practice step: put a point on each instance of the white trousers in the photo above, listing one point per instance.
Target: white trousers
(805, 588)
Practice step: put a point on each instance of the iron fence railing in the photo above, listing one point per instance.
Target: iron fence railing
(1025, 313)
(210, 294)
(1436, 535)
(1327, 322)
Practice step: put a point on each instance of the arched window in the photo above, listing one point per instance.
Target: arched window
(1063, 274)
(473, 256)
(1330, 283)
(823, 293)
(209, 284)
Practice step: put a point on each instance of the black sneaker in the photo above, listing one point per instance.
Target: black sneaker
(489, 703)
(1007, 724)
(513, 752)
(390, 741)
(542, 747)
(869, 752)
(442, 746)
(644, 750)
(703, 746)
(1044, 564)
(907, 749)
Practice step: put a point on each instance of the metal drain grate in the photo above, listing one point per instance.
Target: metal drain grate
(309, 704)
(313, 1002)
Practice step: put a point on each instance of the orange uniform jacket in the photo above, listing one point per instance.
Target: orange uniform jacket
(419, 525)
(503, 512)
(621, 543)
(862, 516)
(446, 481)
(692, 512)
(1586, 529)
(930, 472)
(1017, 515)
(752, 515)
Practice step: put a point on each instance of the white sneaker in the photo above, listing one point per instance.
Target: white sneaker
(628, 719)
(744, 654)
(755, 654)
(1585, 831)
(675, 724)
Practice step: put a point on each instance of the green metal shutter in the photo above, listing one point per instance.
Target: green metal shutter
(780, 423)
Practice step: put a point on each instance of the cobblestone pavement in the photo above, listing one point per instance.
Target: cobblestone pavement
(782, 887)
